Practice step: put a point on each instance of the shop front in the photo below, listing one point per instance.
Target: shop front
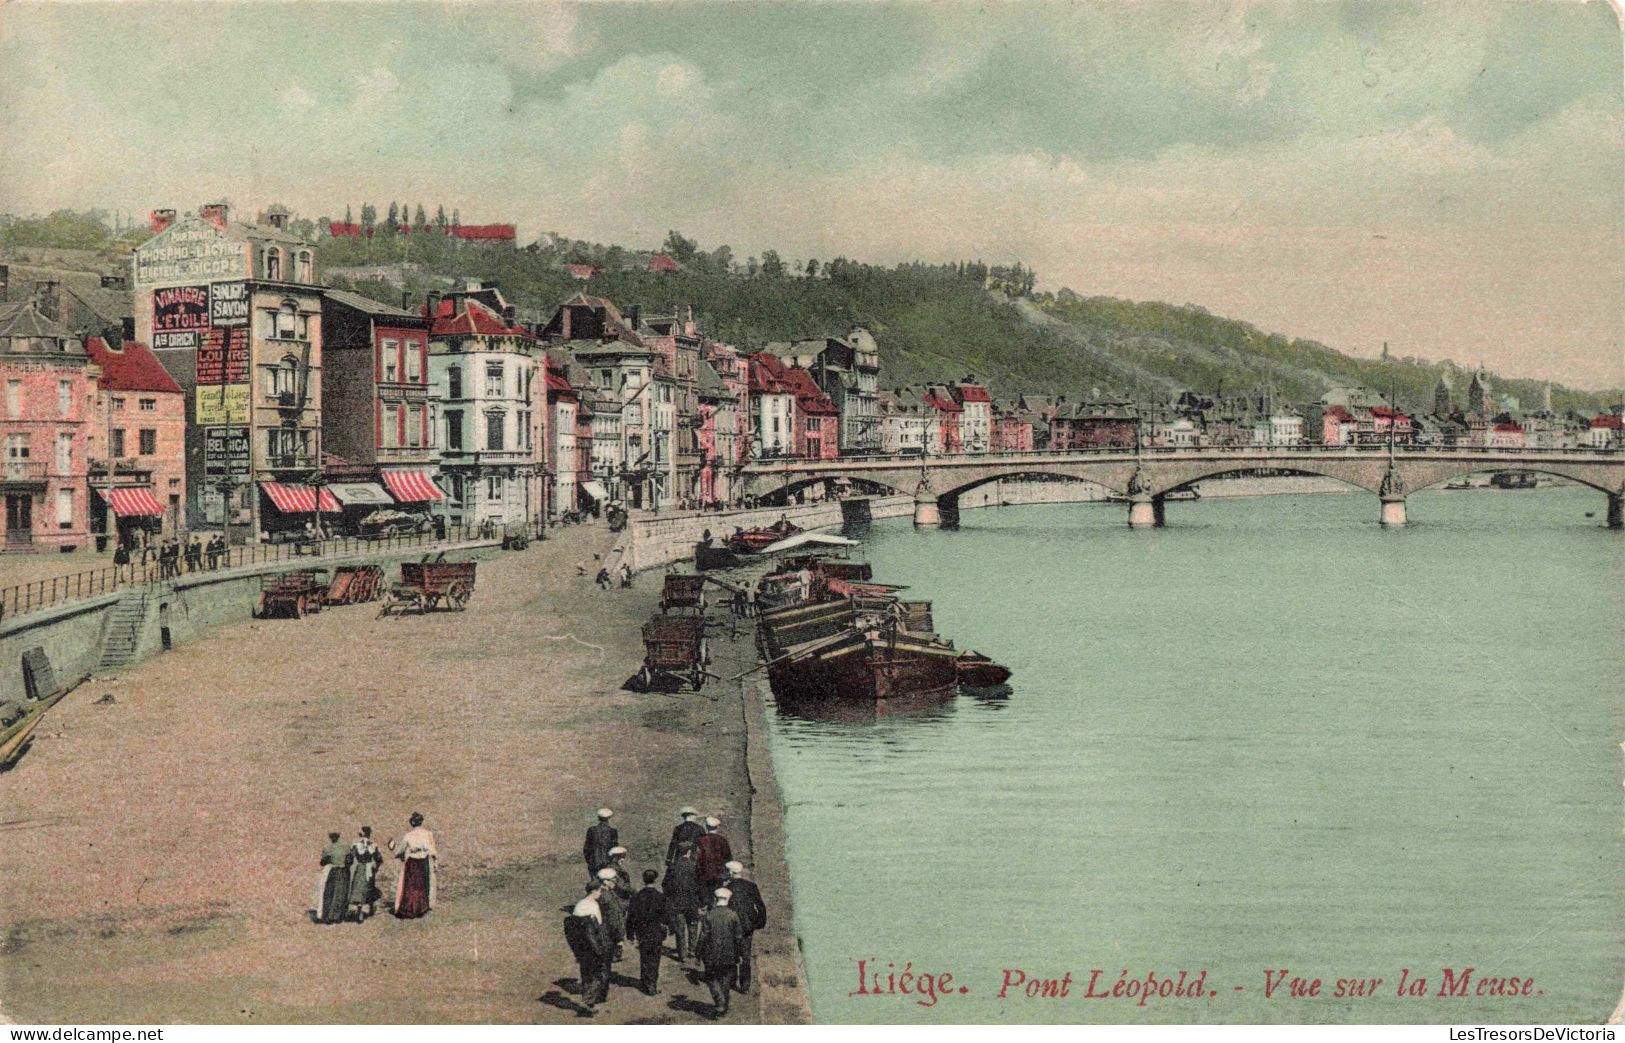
(288, 510)
(137, 514)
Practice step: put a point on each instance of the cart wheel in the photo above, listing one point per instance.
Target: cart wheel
(457, 595)
(645, 678)
(299, 607)
(259, 608)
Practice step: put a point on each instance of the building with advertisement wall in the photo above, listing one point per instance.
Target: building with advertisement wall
(139, 425)
(232, 311)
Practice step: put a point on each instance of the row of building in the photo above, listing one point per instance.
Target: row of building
(219, 385)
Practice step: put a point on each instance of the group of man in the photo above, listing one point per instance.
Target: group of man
(707, 904)
(169, 555)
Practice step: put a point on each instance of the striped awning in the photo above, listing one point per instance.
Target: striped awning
(298, 499)
(134, 502)
(412, 487)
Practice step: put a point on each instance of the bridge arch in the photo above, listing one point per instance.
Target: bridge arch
(1056, 476)
(1438, 477)
(1163, 488)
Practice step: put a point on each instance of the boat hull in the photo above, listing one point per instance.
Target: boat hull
(887, 675)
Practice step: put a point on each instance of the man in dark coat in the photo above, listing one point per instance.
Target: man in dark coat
(600, 838)
(683, 900)
(712, 855)
(646, 925)
(721, 939)
(589, 942)
(688, 831)
(747, 904)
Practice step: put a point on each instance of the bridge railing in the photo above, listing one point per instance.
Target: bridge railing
(1399, 448)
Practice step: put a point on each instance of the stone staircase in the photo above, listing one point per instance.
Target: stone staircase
(124, 627)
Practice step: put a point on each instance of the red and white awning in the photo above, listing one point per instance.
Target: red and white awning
(299, 499)
(412, 487)
(134, 502)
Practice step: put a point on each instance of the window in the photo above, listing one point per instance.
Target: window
(287, 321)
(524, 428)
(64, 454)
(16, 448)
(454, 382)
(273, 263)
(493, 488)
(304, 273)
(14, 399)
(64, 399)
(64, 508)
(430, 426)
(387, 437)
(392, 350)
(118, 442)
(414, 425)
(118, 404)
(454, 429)
(284, 379)
(148, 441)
(149, 405)
(414, 361)
(493, 380)
(265, 322)
(494, 423)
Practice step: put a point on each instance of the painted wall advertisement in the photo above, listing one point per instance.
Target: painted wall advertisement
(190, 251)
(222, 377)
(225, 453)
(180, 315)
(228, 304)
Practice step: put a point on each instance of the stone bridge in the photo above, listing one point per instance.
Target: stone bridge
(1146, 476)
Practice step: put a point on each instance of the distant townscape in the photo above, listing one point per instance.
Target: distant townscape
(213, 376)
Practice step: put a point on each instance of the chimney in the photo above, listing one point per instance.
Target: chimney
(114, 282)
(215, 213)
(277, 216)
(160, 220)
(508, 314)
(635, 315)
(48, 299)
(129, 327)
(432, 303)
(406, 300)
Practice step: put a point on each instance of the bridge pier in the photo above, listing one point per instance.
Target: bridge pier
(1144, 511)
(1393, 512)
(927, 515)
(1616, 510)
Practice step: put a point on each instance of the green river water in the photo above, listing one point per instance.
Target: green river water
(1271, 736)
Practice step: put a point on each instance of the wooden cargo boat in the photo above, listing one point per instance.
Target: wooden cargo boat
(883, 667)
(978, 671)
(750, 541)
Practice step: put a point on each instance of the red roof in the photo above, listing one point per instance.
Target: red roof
(1384, 411)
(581, 271)
(344, 228)
(940, 401)
(810, 398)
(1607, 422)
(1340, 414)
(767, 375)
(663, 263)
(1509, 429)
(130, 368)
(475, 318)
(972, 393)
(484, 231)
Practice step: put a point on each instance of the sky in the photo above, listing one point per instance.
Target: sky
(1443, 176)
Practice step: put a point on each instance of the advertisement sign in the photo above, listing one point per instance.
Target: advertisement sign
(180, 315)
(223, 357)
(222, 404)
(190, 251)
(228, 304)
(225, 452)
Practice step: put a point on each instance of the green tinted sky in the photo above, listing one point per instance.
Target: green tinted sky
(1443, 176)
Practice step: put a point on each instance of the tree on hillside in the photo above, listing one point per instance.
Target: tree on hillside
(812, 268)
(349, 220)
(752, 267)
(420, 219)
(722, 259)
(772, 266)
(369, 216)
(680, 249)
(440, 215)
(394, 215)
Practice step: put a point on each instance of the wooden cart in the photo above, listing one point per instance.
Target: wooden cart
(684, 592)
(292, 594)
(675, 647)
(354, 584)
(429, 585)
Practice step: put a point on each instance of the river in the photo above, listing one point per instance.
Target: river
(1271, 736)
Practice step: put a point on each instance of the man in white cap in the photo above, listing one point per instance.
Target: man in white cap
(589, 942)
(721, 940)
(613, 909)
(600, 838)
(747, 904)
(711, 855)
(688, 831)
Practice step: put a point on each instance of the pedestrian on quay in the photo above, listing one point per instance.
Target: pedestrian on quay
(121, 559)
(613, 908)
(688, 830)
(747, 904)
(365, 858)
(333, 885)
(712, 855)
(721, 939)
(646, 924)
(589, 943)
(415, 889)
(601, 836)
(684, 900)
(626, 575)
(194, 555)
(623, 879)
(603, 579)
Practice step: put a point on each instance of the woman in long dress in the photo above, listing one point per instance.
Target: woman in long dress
(365, 860)
(333, 886)
(415, 890)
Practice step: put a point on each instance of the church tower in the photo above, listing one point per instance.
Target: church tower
(1478, 394)
(1441, 399)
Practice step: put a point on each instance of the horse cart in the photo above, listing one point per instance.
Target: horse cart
(675, 647)
(292, 595)
(429, 585)
(354, 584)
(684, 592)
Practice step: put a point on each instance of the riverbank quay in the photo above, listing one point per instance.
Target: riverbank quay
(161, 845)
